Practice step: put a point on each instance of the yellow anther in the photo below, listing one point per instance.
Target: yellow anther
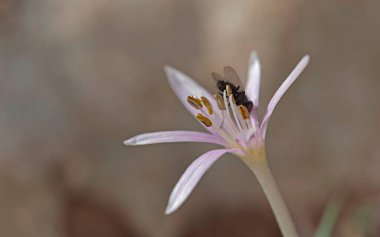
(207, 104)
(195, 102)
(219, 102)
(243, 112)
(229, 90)
(203, 119)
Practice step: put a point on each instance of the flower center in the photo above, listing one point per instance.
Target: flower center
(230, 121)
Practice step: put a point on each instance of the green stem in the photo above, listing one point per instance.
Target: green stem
(329, 218)
(258, 165)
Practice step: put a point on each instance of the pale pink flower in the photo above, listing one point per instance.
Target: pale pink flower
(228, 125)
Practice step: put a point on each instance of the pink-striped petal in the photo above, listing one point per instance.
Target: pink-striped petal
(173, 136)
(281, 91)
(252, 88)
(191, 177)
(183, 86)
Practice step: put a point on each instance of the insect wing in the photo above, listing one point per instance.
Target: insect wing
(217, 77)
(231, 76)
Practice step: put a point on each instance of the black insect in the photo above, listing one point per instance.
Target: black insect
(231, 78)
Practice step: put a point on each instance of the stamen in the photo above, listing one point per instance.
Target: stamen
(234, 112)
(230, 129)
(219, 102)
(229, 90)
(243, 112)
(233, 100)
(207, 104)
(195, 102)
(203, 119)
(229, 118)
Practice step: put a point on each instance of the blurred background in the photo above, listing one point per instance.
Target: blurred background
(77, 77)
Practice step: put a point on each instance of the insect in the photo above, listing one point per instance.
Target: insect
(231, 78)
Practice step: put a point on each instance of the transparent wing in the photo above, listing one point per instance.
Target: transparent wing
(231, 76)
(217, 77)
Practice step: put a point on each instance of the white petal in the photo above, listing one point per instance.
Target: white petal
(252, 88)
(184, 86)
(173, 136)
(191, 177)
(281, 91)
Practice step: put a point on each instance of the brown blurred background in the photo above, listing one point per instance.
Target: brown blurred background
(77, 77)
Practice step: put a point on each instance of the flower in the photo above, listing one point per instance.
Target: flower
(229, 122)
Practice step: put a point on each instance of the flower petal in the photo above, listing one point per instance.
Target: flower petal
(183, 86)
(252, 88)
(281, 91)
(173, 136)
(191, 177)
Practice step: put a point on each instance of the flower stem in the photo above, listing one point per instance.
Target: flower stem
(260, 168)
